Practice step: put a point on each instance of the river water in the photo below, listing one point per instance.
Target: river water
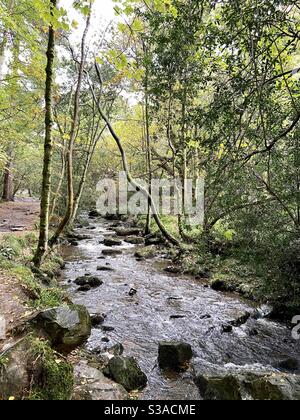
(140, 322)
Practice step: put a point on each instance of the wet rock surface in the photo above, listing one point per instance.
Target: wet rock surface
(66, 327)
(247, 383)
(173, 355)
(91, 281)
(126, 371)
(92, 385)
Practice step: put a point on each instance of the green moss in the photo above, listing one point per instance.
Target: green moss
(3, 362)
(15, 256)
(55, 380)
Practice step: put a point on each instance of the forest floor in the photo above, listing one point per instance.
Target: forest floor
(17, 218)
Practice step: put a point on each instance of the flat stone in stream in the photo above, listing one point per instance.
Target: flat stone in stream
(107, 328)
(123, 231)
(91, 281)
(112, 242)
(174, 355)
(104, 268)
(85, 288)
(135, 240)
(126, 372)
(67, 327)
(112, 252)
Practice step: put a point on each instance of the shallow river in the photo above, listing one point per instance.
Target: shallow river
(143, 320)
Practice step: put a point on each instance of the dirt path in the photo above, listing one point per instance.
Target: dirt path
(18, 218)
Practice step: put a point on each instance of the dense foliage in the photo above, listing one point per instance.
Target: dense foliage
(192, 88)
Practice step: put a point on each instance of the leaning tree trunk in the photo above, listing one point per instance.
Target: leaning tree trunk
(48, 149)
(8, 188)
(130, 179)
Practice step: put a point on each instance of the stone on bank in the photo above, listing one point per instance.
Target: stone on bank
(66, 327)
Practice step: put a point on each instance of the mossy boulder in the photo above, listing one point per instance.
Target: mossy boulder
(240, 383)
(126, 371)
(135, 240)
(91, 281)
(220, 285)
(112, 242)
(92, 385)
(123, 231)
(66, 327)
(174, 355)
(146, 253)
(112, 252)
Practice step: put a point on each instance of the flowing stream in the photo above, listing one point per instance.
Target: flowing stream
(168, 307)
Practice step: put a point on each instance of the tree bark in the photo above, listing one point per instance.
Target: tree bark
(84, 175)
(73, 134)
(149, 155)
(48, 149)
(8, 188)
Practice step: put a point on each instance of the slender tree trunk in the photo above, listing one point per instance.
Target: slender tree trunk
(84, 177)
(70, 205)
(8, 188)
(59, 185)
(149, 155)
(48, 149)
(2, 55)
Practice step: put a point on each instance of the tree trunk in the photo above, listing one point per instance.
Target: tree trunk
(48, 149)
(84, 176)
(59, 185)
(149, 156)
(70, 206)
(8, 189)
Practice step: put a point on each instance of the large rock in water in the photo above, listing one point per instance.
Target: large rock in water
(67, 327)
(91, 281)
(112, 242)
(174, 356)
(126, 371)
(92, 385)
(243, 383)
(123, 231)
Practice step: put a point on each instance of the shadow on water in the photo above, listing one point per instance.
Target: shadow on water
(168, 307)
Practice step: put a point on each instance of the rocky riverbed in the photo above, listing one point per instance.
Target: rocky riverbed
(237, 352)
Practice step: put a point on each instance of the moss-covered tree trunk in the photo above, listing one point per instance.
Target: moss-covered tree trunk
(48, 149)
